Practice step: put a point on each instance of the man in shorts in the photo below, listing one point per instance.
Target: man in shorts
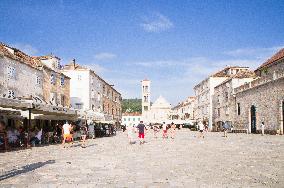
(66, 132)
(141, 130)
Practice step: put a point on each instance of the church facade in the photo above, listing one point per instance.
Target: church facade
(159, 112)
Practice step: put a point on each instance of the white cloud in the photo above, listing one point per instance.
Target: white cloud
(156, 23)
(27, 48)
(256, 53)
(175, 78)
(95, 67)
(105, 56)
(183, 74)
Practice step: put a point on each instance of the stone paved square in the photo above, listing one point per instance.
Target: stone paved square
(241, 160)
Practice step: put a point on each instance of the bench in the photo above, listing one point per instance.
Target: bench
(239, 131)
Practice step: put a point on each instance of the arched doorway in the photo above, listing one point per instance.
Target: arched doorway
(253, 119)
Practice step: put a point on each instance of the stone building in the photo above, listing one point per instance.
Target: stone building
(224, 98)
(262, 100)
(91, 95)
(56, 85)
(159, 112)
(22, 92)
(184, 110)
(19, 74)
(146, 93)
(111, 103)
(204, 92)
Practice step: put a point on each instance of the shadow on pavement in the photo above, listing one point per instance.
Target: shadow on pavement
(24, 169)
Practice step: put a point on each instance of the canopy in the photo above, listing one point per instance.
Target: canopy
(15, 103)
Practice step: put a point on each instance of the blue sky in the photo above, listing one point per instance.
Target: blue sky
(175, 44)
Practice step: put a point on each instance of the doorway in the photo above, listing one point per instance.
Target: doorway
(253, 119)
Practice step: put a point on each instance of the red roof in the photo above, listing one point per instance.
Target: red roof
(279, 55)
(19, 55)
(131, 114)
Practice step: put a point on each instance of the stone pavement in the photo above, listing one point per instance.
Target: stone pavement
(240, 160)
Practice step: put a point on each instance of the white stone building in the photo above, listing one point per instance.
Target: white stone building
(85, 91)
(184, 110)
(224, 98)
(146, 93)
(131, 119)
(159, 112)
(19, 74)
(204, 92)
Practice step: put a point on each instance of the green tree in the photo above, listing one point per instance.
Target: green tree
(131, 105)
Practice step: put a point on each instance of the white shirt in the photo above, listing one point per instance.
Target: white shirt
(201, 126)
(164, 127)
(66, 128)
(39, 134)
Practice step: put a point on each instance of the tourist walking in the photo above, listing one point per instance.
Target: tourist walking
(83, 130)
(66, 128)
(262, 128)
(130, 134)
(201, 129)
(141, 130)
(165, 134)
(173, 130)
(226, 128)
(156, 129)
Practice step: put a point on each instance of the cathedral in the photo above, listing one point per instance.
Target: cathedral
(159, 112)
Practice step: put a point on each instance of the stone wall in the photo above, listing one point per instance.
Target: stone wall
(267, 98)
(57, 88)
(23, 80)
(224, 104)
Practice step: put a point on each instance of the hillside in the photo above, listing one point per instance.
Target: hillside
(131, 105)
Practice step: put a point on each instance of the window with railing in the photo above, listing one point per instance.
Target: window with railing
(11, 94)
(38, 80)
(52, 78)
(11, 71)
(62, 80)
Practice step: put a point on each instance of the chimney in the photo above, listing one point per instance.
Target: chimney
(74, 63)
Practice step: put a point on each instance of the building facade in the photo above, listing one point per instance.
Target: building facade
(91, 95)
(224, 98)
(56, 85)
(131, 119)
(22, 93)
(204, 92)
(262, 100)
(20, 75)
(184, 110)
(146, 95)
(111, 102)
(159, 111)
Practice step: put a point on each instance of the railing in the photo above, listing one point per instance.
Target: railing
(259, 81)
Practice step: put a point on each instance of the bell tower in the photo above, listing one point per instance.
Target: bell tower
(145, 95)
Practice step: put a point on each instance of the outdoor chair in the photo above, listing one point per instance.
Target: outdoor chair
(4, 145)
